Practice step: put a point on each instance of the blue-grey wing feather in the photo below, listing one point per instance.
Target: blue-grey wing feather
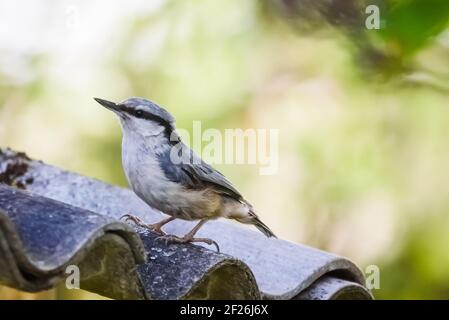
(197, 174)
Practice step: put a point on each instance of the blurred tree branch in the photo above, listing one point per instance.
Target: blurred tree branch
(407, 26)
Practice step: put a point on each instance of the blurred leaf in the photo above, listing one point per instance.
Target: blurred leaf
(412, 24)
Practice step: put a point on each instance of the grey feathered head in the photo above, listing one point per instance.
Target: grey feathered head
(141, 115)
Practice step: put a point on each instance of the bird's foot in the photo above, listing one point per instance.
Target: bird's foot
(169, 239)
(156, 228)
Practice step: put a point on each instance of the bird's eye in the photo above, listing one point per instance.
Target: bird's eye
(139, 113)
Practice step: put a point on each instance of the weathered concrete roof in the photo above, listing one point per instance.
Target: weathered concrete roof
(63, 218)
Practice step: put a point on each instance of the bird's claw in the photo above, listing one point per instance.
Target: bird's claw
(130, 217)
(137, 221)
(207, 241)
(169, 239)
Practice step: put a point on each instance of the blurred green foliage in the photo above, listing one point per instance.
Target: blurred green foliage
(412, 24)
(363, 114)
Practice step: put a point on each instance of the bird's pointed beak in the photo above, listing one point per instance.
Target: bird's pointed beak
(108, 104)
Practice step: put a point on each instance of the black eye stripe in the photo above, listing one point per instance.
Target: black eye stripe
(142, 114)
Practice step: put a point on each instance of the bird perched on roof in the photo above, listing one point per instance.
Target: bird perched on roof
(170, 177)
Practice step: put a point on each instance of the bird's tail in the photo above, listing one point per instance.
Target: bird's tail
(260, 225)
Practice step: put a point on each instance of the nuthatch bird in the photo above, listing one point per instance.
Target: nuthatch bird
(167, 175)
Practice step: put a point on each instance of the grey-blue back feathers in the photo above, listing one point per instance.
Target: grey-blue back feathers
(195, 173)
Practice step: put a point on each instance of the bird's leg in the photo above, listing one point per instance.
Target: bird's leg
(155, 227)
(189, 237)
